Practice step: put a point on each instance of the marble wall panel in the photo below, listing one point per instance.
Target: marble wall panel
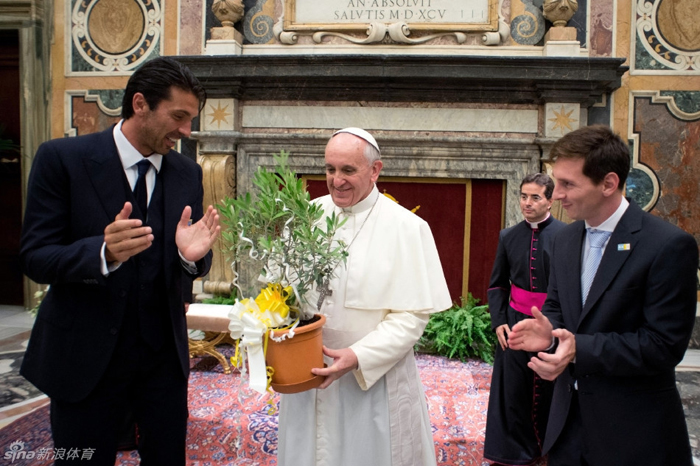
(684, 104)
(667, 37)
(600, 112)
(91, 111)
(561, 118)
(191, 25)
(579, 21)
(112, 36)
(527, 26)
(403, 119)
(601, 28)
(218, 115)
(669, 146)
(259, 19)
(505, 10)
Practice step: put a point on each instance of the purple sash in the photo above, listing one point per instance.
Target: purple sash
(523, 300)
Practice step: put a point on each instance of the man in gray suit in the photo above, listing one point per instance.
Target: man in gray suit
(619, 313)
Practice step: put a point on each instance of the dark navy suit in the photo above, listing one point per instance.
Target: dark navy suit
(124, 336)
(631, 333)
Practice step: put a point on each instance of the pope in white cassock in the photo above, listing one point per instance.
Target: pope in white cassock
(371, 409)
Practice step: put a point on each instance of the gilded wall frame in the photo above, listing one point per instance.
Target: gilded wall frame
(356, 15)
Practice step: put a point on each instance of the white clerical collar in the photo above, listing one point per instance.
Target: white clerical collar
(535, 226)
(364, 204)
(128, 153)
(611, 222)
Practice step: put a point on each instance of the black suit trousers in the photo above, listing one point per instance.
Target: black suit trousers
(138, 379)
(569, 449)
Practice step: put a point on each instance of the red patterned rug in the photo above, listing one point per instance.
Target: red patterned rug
(220, 433)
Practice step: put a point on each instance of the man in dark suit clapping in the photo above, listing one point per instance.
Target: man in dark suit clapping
(114, 222)
(619, 313)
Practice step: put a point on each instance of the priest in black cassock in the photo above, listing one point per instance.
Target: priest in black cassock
(519, 399)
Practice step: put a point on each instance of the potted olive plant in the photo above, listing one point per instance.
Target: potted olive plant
(286, 237)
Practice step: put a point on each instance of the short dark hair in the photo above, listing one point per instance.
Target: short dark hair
(603, 152)
(154, 79)
(540, 179)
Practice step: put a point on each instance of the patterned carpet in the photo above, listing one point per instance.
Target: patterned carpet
(222, 434)
(13, 387)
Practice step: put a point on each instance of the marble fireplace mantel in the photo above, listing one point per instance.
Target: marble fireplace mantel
(395, 78)
(292, 102)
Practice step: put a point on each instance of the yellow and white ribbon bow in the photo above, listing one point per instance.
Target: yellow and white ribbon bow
(250, 322)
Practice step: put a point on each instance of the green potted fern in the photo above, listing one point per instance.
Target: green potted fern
(461, 332)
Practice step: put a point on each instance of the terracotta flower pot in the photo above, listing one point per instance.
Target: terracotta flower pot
(293, 358)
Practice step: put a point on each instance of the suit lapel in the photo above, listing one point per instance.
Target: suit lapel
(106, 173)
(572, 279)
(173, 203)
(614, 256)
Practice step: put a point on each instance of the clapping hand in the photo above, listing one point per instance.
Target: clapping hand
(195, 241)
(536, 335)
(125, 237)
(531, 334)
(549, 366)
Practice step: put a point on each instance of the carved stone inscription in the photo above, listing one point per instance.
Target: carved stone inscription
(419, 14)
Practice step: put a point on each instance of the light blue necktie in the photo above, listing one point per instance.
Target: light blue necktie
(596, 240)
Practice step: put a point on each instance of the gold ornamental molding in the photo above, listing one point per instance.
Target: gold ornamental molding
(219, 181)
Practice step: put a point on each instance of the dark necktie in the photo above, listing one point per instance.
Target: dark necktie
(140, 189)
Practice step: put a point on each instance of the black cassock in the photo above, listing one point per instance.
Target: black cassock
(519, 399)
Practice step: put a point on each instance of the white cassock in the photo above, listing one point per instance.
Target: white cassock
(381, 301)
